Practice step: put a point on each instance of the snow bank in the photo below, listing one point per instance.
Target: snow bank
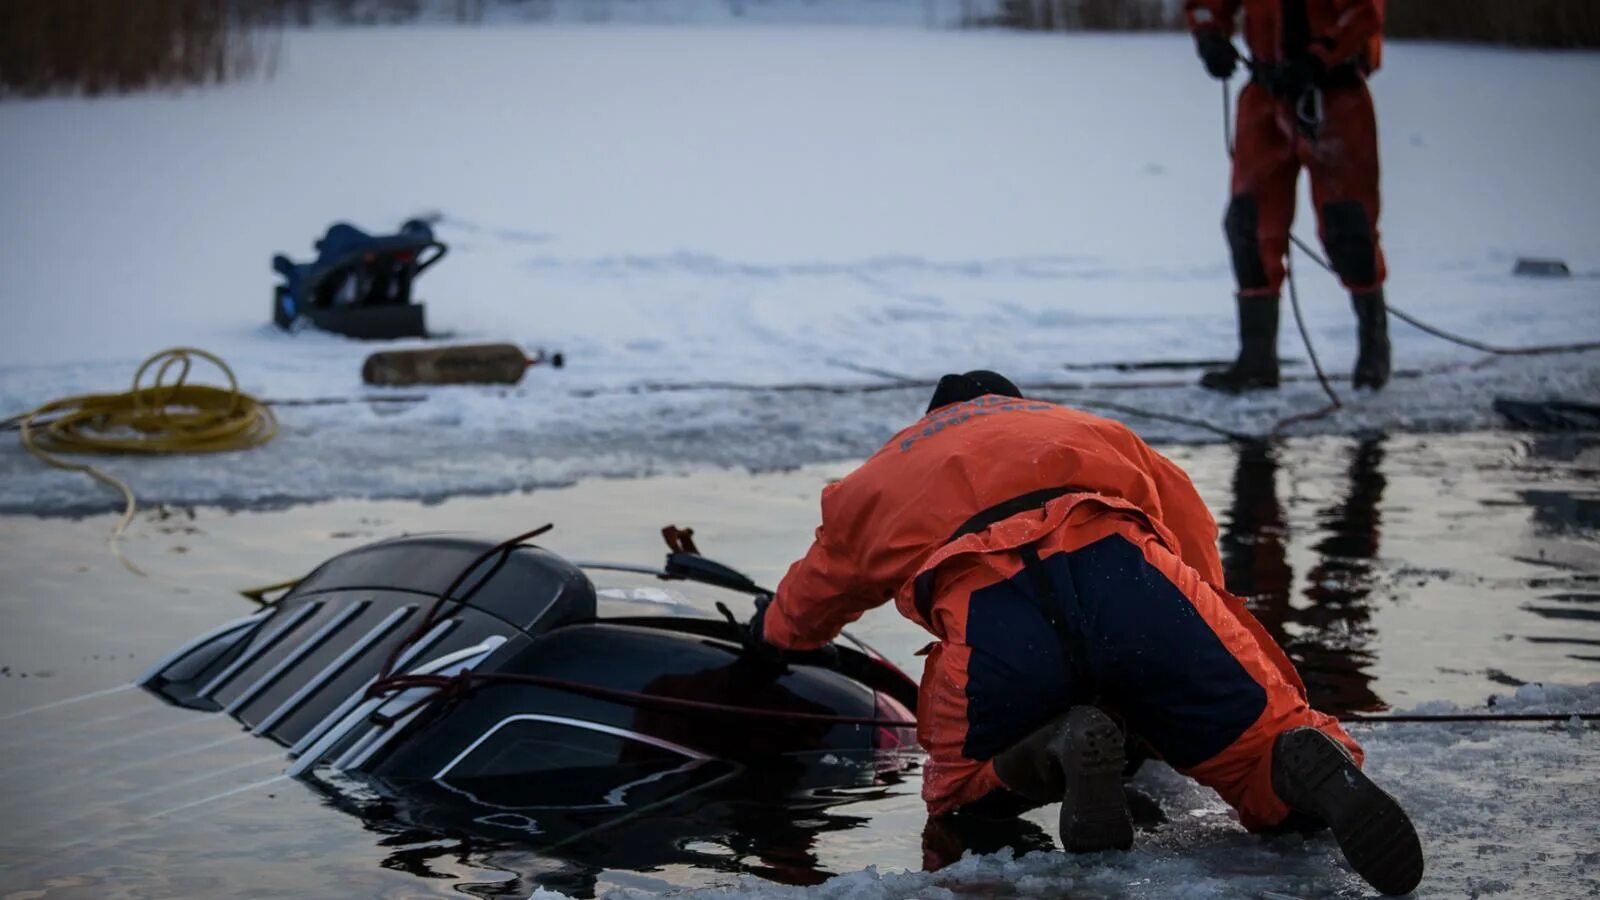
(1529, 698)
(839, 207)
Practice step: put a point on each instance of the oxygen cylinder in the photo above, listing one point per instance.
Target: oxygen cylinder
(471, 364)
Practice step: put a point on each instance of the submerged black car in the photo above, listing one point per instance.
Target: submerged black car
(493, 689)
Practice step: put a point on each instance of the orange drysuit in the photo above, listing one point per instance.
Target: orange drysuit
(1337, 144)
(1058, 560)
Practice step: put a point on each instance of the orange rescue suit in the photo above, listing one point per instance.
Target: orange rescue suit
(1133, 549)
(1271, 144)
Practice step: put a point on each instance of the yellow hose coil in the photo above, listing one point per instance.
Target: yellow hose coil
(174, 417)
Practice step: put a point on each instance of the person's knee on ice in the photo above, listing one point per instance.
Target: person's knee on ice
(1032, 767)
(1077, 760)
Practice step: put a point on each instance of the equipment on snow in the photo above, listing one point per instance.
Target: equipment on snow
(1257, 365)
(360, 284)
(468, 364)
(1549, 415)
(1542, 268)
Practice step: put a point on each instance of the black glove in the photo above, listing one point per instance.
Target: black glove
(762, 658)
(1218, 54)
(755, 631)
(1291, 80)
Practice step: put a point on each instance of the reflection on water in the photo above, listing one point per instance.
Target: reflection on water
(764, 823)
(1327, 636)
(1325, 620)
(720, 818)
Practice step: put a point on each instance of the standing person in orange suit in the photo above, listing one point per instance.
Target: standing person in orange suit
(1069, 571)
(1306, 104)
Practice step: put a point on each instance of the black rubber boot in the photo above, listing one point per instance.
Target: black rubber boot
(1257, 366)
(1316, 777)
(1372, 360)
(1078, 760)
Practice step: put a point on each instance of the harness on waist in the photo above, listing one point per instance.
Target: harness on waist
(1043, 594)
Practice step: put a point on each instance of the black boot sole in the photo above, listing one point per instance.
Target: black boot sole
(1094, 809)
(1375, 834)
(1225, 381)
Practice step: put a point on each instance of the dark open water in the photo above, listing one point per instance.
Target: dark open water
(1394, 569)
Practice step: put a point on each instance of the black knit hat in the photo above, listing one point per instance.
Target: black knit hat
(970, 386)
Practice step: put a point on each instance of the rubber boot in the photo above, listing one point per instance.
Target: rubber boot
(1257, 366)
(1372, 360)
(1078, 760)
(1317, 778)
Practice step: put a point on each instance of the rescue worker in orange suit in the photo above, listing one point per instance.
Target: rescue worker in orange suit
(1306, 104)
(1067, 570)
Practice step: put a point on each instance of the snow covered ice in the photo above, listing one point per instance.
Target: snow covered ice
(755, 206)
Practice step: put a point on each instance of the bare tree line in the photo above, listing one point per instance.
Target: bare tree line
(1528, 23)
(1532, 23)
(1084, 15)
(118, 46)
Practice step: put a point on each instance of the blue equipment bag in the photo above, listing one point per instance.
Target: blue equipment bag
(360, 284)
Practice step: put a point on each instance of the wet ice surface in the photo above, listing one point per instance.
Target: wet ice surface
(1413, 571)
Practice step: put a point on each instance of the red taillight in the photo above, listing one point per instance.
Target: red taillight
(897, 735)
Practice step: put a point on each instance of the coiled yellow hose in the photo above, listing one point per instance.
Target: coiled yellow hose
(175, 417)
